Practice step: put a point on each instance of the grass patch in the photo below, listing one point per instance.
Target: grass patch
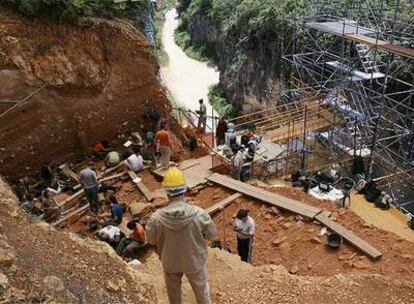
(219, 102)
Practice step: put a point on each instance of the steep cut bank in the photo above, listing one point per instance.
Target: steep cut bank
(97, 81)
(41, 265)
(244, 39)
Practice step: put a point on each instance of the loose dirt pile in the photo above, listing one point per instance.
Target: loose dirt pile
(234, 282)
(40, 264)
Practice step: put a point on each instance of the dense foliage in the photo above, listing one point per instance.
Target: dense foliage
(217, 98)
(70, 10)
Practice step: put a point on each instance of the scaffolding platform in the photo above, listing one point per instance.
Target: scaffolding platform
(356, 75)
(340, 27)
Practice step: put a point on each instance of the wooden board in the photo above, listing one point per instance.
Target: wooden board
(383, 45)
(70, 173)
(224, 203)
(196, 175)
(141, 187)
(78, 212)
(350, 237)
(67, 202)
(265, 196)
(285, 132)
(159, 172)
(78, 186)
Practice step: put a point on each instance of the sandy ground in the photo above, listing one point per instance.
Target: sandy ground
(391, 220)
(187, 79)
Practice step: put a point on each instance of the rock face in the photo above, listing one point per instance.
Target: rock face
(249, 61)
(88, 83)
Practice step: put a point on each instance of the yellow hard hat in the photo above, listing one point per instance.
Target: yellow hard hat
(174, 178)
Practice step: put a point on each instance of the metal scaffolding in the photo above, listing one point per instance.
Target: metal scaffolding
(358, 58)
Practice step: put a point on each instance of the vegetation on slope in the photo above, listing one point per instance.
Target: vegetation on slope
(217, 98)
(251, 37)
(70, 10)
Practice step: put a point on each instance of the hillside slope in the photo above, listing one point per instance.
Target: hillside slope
(100, 77)
(40, 264)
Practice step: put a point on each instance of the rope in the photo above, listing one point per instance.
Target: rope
(19, 103)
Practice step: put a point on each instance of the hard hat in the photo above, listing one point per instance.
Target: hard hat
(174, 182)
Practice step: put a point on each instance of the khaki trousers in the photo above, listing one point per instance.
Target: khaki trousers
(165, 156)
(198, 282)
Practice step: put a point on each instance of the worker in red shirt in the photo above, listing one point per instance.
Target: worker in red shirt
(162, 138)
(131, 246)
(98, 150)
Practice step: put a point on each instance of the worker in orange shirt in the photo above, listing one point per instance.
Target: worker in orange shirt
(163, 140)
(132, 245)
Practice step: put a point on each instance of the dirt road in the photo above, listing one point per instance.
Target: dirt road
(187, 79)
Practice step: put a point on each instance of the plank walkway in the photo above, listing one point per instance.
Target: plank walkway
(265, 196)
(383, 45)
(349, 236)
(295, 207)
(223, 203)
(195, 171)
(141, 187)
(315, 124)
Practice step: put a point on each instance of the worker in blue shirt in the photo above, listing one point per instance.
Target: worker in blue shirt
(116, 210)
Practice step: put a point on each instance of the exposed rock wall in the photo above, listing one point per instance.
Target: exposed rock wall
(250, 63)
(101, 79)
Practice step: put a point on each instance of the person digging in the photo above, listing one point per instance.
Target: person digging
(178, 233)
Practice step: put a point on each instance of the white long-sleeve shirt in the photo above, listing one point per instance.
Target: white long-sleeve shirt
(246, 229)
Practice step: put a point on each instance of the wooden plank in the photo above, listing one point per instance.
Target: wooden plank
(141, 187)
(265, 196)
(78, 212)
(224, 203)
(159, 172)
(105, 179)
(70, 173)
(350, 237)
(383, 45)
(66, 202)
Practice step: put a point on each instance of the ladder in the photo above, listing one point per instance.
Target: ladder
(369, 64)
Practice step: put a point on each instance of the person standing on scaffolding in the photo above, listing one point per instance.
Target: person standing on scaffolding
(202, 119)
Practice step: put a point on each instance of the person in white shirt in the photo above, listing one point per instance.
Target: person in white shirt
(245, 228)
(110, 234)
(134, 162)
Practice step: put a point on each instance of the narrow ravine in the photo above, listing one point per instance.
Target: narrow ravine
(187, 79)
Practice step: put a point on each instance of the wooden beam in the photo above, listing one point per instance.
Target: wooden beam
(224, 203)
(105, 179)
(71, 198)
(141, 186)
(265, 196)
(350, 237)
(76, 213)
(383, 45)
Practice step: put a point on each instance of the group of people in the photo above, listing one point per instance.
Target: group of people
(241, 153)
